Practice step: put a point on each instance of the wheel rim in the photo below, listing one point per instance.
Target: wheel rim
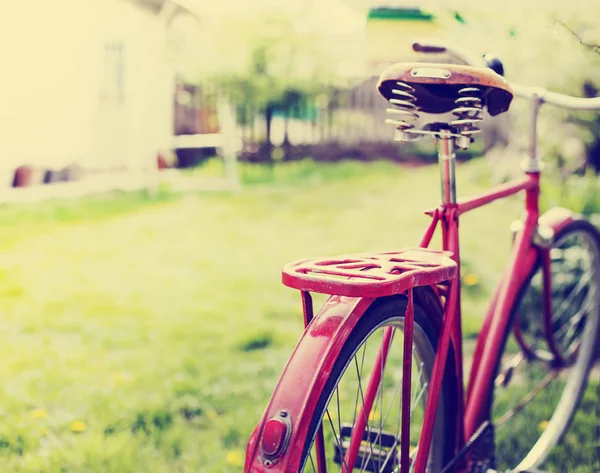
(544, 396)
(348, 395)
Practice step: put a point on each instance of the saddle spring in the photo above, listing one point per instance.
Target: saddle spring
(406, 111)
(469, 111)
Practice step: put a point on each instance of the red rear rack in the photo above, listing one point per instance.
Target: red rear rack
(370, 274)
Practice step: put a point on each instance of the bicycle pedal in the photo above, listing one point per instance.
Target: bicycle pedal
(378, 451)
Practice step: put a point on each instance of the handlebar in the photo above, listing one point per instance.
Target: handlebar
(539, 94)
(554, 98)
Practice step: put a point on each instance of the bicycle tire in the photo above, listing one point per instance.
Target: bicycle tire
(383, 312)
(508, 449)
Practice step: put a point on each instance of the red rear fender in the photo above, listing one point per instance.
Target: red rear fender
(303, 379)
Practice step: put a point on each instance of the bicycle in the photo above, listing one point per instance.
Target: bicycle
(340, 404)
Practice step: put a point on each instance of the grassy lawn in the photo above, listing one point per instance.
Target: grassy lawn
(146, 334)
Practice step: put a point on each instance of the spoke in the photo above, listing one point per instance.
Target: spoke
(569, 324)
(568, 300)
(358, 373)
(389, 455)
(339, 416)
(570, 337)
(528, 397)
(382, 416)
(396, 391)
(399, 413)
(413, 462)
(365, 461)
(590, 297)
(379, 436)
(412, 406)
(312, 461)
(419, 378)
(572, 320)
(356, 398)
(338, 440)
(514, 394)
(362, 398)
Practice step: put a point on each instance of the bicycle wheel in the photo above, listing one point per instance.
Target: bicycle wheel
(343, 395)
(534, 398)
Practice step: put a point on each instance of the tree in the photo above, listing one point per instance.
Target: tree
(540, 45)
(267, 61)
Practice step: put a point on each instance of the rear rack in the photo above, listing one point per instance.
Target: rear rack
(370, 274)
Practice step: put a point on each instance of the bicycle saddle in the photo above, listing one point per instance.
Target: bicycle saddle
(435, 88)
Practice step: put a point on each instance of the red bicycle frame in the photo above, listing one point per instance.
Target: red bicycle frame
(299, 391)
(474, 409)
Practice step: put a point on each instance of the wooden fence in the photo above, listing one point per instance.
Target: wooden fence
(334, 124)
(341, 123)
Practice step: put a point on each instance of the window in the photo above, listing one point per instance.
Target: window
(112, 82)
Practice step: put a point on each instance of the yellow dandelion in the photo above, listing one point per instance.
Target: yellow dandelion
(235, 458)
(118, 379)
(374, 415)
(471, 279)
(78, 426)
(212, 414)
(543, 424)
(411, 449)
(39, 413)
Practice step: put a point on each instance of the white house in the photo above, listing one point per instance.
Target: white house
(86, 82)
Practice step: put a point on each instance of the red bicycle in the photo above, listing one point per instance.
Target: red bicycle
(376, 381)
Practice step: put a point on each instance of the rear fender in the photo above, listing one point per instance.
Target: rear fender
(557, 217)
(302, 381)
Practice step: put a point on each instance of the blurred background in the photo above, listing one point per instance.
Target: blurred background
(160, 160)
(127, 87)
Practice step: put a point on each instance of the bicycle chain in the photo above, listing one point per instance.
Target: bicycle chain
(481, 455)
(478, 452)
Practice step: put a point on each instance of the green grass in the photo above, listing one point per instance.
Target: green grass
(157, 326)
(579, 193)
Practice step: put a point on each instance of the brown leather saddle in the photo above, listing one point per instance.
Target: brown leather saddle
(436, 87)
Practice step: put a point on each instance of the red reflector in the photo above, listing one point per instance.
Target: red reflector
(274, 437)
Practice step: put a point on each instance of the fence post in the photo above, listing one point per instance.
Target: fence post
(227, 125)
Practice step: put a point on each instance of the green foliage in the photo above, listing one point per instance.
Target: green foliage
(265, 58)
(269, 60)
(539, 44)
(578, 193)
(257, 341)
(302, 172)
(388, 13)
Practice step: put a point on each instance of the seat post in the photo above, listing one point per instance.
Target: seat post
(447, 160)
